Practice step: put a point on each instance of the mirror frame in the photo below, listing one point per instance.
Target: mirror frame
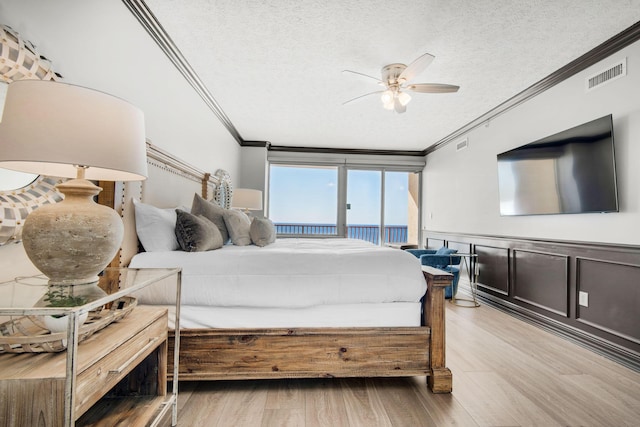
(21, 60)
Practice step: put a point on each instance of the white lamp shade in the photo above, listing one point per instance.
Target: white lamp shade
(48, 127)
(246, 198)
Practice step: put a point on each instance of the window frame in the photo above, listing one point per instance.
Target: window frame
(343, 166)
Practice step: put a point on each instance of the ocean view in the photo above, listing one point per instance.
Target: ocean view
(368, 232)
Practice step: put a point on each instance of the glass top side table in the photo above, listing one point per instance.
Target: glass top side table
(33, 297)
(470, 262)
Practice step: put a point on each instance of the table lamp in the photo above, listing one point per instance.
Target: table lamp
(247, 199)
(62, 130)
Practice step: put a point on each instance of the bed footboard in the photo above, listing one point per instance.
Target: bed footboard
(241, 354)
(226, 354)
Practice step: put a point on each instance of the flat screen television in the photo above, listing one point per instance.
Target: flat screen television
(570, 172)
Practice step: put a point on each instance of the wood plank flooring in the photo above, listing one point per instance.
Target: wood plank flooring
(505, 373)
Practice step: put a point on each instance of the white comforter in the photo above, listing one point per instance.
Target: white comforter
(290, 273)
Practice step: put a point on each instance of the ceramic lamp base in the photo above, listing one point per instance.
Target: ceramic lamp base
(74, 240)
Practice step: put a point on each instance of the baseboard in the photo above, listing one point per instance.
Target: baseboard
(596, 344)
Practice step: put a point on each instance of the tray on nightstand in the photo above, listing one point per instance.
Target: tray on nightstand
(27, 334)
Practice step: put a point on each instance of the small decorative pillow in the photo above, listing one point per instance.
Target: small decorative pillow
(155, 227)
(238, 224)
(262, 231)
(446, 251)
(212, 212)
(196, 233)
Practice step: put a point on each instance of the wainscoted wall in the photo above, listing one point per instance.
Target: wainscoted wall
(541, 282)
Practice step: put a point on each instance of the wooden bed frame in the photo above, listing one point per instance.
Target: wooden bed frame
(225, 354)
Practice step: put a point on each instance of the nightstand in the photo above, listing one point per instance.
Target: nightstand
(114, 376)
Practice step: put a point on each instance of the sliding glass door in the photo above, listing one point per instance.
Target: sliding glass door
(364, 198)
(382, 206)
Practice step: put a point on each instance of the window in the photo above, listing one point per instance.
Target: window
(303, 200)
(401, 207)
(369, 197)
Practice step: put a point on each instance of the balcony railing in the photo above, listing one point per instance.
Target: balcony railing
(370, 233)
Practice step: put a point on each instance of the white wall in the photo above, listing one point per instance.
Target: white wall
(461, 188)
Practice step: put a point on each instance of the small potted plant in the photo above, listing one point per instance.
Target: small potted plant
(62, 296)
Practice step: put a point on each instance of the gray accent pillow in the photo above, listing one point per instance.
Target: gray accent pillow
(238, 224)
(212, 212)
(196, 233)
(262, 231)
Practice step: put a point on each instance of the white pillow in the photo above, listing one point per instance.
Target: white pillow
(156, 227)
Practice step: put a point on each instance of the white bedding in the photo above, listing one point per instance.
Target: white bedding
(396, 314)
(290, 273)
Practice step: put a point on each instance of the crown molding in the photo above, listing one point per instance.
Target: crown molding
(157, 32)
(265, 144)
(597, 54)
(321, 150)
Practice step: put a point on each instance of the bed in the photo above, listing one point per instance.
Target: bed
(293, 308)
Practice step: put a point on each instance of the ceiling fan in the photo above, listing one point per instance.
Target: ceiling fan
(396, 78)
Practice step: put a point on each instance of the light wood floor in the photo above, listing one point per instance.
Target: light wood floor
(505, 373)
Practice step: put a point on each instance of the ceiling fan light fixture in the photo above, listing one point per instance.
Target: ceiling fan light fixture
(404, 98)
(387, 97)
(398, 107)
(397, 78)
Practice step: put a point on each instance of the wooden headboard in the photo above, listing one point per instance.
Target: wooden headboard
(171, 182)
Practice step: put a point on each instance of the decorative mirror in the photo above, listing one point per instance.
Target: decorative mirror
(12, 180)
(21, 193)
(224, 191)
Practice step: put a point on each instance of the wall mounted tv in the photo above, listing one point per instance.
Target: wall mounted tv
(570, 172)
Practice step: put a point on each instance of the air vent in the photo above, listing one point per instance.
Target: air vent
(462, 144)
(610, 74)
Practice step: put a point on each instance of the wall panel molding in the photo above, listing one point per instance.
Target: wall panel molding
(544, 279)
(541, 279)
(494, 268)
(612, 303)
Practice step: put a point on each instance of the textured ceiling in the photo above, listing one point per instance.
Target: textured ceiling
(275, 67)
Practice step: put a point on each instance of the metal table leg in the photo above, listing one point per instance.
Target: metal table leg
(473, 282)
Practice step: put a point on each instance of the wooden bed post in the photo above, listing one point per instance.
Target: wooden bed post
(205, 185)
(440, 379)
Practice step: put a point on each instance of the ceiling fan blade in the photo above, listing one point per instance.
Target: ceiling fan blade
(364, 75)
(432, 88)
(416, 67)
(362, 96)
(397, 105)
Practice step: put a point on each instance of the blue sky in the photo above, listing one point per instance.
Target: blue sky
(311, 196)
